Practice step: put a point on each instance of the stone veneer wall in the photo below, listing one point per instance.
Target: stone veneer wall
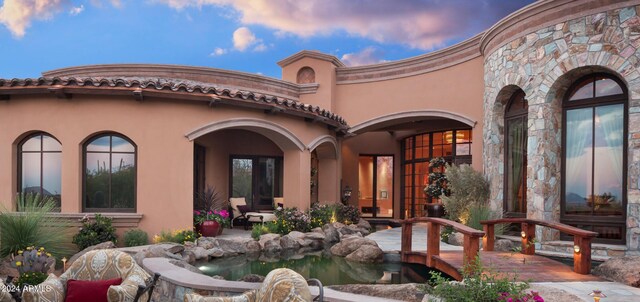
(543, 64)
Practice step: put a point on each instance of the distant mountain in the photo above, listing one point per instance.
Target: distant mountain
(574, 198)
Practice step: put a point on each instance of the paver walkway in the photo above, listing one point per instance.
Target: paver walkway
(389, 241)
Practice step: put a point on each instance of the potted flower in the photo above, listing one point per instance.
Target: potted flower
(212, 222)
(437, 187)
(209, 207)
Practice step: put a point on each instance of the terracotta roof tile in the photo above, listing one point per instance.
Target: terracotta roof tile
(178, 86)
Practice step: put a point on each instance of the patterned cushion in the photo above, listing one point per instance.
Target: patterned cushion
(279, 285)
(92, 266)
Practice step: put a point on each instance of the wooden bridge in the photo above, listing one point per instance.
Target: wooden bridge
(525, 266)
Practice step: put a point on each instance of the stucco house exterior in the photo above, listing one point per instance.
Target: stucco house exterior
(546, 103)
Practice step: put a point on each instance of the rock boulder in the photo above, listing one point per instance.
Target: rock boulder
(349, 244)
(621, 269)
(366, 254)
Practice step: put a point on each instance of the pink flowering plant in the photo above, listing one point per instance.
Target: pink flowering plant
(221, 216)
(532, 296)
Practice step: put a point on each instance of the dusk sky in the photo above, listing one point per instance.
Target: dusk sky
(244, 35)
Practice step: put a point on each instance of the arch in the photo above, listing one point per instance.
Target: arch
(22, 137)
(306, 75)
(411, 115)
(325, 140)
(563, 83)
(284, 138)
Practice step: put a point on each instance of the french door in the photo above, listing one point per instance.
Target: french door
(256, 178)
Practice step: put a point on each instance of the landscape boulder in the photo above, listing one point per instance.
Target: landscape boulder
(331, 233)
(270, 243)
(366, 254)
(504, 245)
(253, 278)
(624, 269)
(349, 244)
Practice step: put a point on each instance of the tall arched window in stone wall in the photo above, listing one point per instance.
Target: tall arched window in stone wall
(594, 170)
(515, 181)
(40, 166)
(109, 174)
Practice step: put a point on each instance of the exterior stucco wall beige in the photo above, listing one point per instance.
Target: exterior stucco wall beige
(457, 89)
(164, 154)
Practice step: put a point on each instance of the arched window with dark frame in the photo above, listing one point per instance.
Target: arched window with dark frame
(594, 170)
(109, 180)
(40, 166)
(515, 181)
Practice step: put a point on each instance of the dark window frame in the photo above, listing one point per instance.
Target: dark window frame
(454, 158)
(594, 102)
(41, 134)
(255, 177)
(86, 209)
(513, 114)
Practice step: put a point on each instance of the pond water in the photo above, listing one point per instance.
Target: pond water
(330, 270)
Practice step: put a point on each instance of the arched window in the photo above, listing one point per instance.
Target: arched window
(40, 166)
(594, 151)
(515, 181)
(109, 174)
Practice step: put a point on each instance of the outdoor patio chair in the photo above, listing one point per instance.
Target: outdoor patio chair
(279, 285)
(242, 211)
(278, 202)
(99, 265)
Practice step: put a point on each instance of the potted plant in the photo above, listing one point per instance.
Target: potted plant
(210, 222)
(210, 213)
(437, 186)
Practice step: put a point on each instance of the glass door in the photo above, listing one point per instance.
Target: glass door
(258, 179)
(375, 197)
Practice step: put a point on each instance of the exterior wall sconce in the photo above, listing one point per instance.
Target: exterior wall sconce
(523, 234)
(597, 294)
(346, 194)
(576, 249)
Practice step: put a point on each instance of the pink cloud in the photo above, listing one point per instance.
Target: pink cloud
(423, 24)
(16, 15)
(367, 56)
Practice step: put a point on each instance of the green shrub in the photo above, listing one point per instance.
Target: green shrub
(33, 278)
(321, 214)
(93, 232)
(135, 237)
(259, 229)
(347, 214)
(468, 188)
(33, 226)
(476, 285)
(177, 236)
(291, 219)
(477, 213)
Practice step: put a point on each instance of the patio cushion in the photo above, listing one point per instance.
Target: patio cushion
(255, 217)
(80, 290)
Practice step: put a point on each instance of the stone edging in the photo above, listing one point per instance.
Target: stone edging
(176, 281)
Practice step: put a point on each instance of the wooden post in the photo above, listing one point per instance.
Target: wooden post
(489, 239)
(582, 260)
(433, 242)
(471, 248)
(528, 242)
(405, 243)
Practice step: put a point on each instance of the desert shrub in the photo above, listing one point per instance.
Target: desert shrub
(480, 212)
(321, 214)
(291, 219)
(135, 237)
(347, 214)
(210, 199)
(468, 188)
(177, 236)
(476, 286)
(93, 232)
(259, 229)
(33, 226)
(32, 278)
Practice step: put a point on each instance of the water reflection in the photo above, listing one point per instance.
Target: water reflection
(328, 269)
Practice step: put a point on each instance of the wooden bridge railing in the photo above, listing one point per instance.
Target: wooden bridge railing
(471, 244)
(581, 239)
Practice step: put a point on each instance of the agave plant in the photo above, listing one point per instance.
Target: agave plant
(33, 225)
